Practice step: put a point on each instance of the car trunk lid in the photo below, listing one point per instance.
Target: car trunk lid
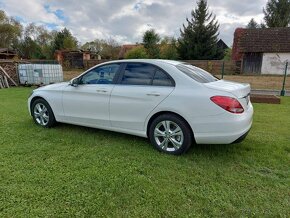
(239, 90)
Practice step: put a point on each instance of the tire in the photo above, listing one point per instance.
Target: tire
(42, 113)
(176, 139)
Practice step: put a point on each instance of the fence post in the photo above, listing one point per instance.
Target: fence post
(223, 69)
(284, 81)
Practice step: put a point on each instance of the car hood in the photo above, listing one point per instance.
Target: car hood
(240, 90)
(56, 86)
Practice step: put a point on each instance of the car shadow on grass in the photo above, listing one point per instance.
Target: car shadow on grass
(196, 149)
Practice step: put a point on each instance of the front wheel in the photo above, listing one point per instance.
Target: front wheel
(170, 134)
(42, 113)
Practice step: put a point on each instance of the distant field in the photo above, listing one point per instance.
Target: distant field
(257, 82)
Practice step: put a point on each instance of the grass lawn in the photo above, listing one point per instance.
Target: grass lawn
(72, 171)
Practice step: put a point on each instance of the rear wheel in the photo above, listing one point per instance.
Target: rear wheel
(42, 113)
(170, 134)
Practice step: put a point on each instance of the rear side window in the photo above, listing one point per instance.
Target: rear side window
(138, 74)
(196, 73)
(161, 79)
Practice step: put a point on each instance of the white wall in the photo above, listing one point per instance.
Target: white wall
(274, 63)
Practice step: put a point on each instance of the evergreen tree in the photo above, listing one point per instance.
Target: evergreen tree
(277, 13)
(253, 24)
(150, 42)
(199, 38)
(64, 40)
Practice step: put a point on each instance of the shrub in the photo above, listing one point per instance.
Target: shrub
(136, 53)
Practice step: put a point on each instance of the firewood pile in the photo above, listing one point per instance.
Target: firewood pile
(8, 74)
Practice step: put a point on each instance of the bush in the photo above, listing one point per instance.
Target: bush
(136, 53)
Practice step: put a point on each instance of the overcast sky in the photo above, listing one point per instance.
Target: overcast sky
(127, 20)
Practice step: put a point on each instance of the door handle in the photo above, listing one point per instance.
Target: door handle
(101, 90)
(153, 94)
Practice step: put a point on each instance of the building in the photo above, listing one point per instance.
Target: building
(73, 58)
(6, 53)
(222, 45)
(262, 51)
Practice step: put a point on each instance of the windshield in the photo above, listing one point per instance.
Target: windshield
(196, 73)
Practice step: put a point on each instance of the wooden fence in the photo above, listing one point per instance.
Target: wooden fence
(217, 66)
(212, 66)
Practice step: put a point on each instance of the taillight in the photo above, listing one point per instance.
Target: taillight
(229, 104)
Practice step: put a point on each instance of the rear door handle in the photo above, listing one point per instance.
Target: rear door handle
(153, 94)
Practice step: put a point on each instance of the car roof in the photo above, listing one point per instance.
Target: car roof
(150, 61)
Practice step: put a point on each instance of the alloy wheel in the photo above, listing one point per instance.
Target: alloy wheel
(41, 114)
(168, 135)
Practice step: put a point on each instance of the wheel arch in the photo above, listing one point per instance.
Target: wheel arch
(34, 99)
(154, 116)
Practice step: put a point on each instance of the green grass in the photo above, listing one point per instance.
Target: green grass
(70, 171)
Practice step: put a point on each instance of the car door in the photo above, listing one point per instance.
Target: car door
(140, 88)
(88, 102)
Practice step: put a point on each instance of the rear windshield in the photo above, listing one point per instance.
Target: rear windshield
(196, 73)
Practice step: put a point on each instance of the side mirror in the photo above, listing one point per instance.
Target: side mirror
(74, 82)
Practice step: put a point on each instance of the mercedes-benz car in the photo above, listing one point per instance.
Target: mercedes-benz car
(172, 103)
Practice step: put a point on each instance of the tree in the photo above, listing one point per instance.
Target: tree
(107, 49)
(94, 46)
(198, 40)
(168, 48)
(30, 49)
(228, 54)
(40, 36)
(110, 49)
(277, 13)
(137, 53)
(150, 42)
(253, 24)
(10, 31)
(64, 40)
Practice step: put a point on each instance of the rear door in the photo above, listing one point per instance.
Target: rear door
(140, 88)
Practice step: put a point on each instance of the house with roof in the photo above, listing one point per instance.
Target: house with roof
(262, 51)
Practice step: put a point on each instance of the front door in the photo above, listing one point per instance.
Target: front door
(88, 103)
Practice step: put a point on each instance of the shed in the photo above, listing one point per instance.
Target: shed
(72, 58)
(6, 53)
(262, 51)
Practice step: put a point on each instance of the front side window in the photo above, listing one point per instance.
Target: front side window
(101, 75)
(138, 74)
(196, 73)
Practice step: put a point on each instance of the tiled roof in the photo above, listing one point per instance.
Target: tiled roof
(265, 40)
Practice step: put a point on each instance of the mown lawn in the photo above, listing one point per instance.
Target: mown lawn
(73, 171)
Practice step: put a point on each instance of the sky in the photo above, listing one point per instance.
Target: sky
(127, 20)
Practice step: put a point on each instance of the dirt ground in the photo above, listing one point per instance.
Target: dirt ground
(69, 74)
(261, 82)
(256, 82)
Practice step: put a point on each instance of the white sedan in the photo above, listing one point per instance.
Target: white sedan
(172, 103)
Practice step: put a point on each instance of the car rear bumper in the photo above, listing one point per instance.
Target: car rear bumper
(223, 129)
